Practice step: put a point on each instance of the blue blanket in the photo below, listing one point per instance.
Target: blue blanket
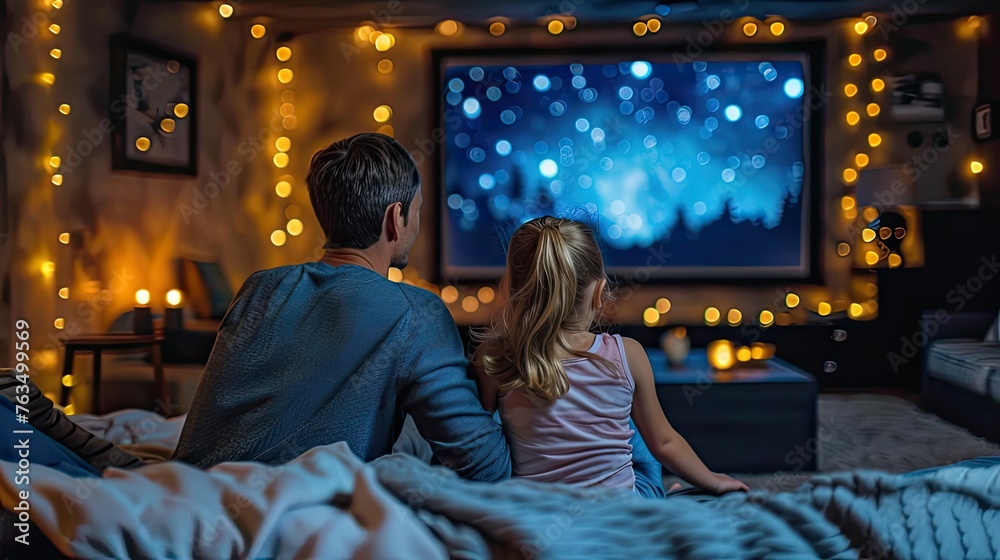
(949, 512)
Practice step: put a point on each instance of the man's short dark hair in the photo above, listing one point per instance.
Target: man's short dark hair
(351, 183)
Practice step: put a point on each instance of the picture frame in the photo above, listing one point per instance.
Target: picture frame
(917, 97)
(153, 108)
(982, 124)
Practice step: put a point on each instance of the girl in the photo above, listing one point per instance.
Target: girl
(565, 394)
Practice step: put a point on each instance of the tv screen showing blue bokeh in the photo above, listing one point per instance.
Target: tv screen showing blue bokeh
(693, 169)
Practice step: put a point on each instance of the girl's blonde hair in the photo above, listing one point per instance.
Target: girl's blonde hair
(550, 263)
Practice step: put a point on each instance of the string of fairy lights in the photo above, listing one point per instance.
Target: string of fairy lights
(861, 97)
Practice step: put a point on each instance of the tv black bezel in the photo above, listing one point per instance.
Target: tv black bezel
(814, 50)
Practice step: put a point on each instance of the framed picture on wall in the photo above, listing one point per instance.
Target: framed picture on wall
(153, 109)
(917, 97)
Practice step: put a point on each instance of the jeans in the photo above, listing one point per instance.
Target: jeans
(648, 471)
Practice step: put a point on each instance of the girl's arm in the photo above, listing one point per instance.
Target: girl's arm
(663, 441)
(487, 385)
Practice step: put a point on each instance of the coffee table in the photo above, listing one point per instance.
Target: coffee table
(750, 419)
(111, 343)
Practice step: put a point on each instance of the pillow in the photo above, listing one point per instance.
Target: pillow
(44, 417)
(206, 288)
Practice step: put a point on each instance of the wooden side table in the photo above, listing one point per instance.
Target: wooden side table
(112, 344)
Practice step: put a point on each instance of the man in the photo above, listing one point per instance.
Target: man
(333, 351)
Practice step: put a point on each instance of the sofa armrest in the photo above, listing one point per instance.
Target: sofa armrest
(940, 324)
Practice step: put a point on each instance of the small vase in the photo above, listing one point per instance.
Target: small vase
(676, 345)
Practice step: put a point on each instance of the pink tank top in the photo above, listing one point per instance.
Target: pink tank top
(583, 437)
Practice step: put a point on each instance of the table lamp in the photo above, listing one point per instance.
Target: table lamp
(173, 314)
(143, 314)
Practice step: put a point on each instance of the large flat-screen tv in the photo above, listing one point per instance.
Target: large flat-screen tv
(687, 168)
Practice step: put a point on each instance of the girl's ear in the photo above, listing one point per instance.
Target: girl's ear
(599, 293)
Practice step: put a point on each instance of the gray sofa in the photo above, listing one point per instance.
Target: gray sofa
(961, 372)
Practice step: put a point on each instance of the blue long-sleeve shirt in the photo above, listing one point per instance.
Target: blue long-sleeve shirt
(312, 354)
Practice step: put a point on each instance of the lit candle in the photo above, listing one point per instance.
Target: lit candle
(143, 314)
(721, 354)
(174, 313)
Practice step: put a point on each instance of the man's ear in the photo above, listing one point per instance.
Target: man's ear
(394, 220)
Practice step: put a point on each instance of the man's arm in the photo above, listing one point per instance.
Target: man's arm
(442, 400)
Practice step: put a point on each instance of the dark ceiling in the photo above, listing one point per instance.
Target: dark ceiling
(425, 13)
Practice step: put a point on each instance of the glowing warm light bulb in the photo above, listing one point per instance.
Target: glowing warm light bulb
(56, 53)
(225, 10)
(64, 293)
(278, 237)
(385, 66)
(174, 297)
(142, 143)
(48, 268)
(55, 29)
(64, 108)
(872, 109)
(284, 54)
(868, 235)
(384, 42)
(777, 28)
(48, 78)
(653, 25)
(289, 122)
(855, 310)
(874, 140)
(555, 27)
(662, 305)
(280, 160)
(54, 161)
(861, 160)
(847, 202)
(792, 300)
(64, 238)
(766, 318)
(823, 308)
(294, 226)
(878, 84)
(854, 59)
(895, 261)
(850, 90)
(181, 110)
(734, 317)
(712, 316)
(286, 109)
(470, 304)
(382, 113)
(976, 166)
(870, 214)
(853, 118)
(850, 175)
(639, 29)
(449, 294)
(486, 294)
(364, 32)
(283, 189)
(871, 257)
(56, 4)
(168, 125)
(843, 249)
(283, 144)
(880, 54)
(142, 297)
(57, 179)
(447, 28)
(861, 27)
(285, 75)
(59, 323)
(257, 31)
(749, 29)
(650, 316)
(68, 381)
(497, 28)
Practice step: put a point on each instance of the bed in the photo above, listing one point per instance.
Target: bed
(329, 504)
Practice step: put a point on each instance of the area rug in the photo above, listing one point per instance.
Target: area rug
(877, 432)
